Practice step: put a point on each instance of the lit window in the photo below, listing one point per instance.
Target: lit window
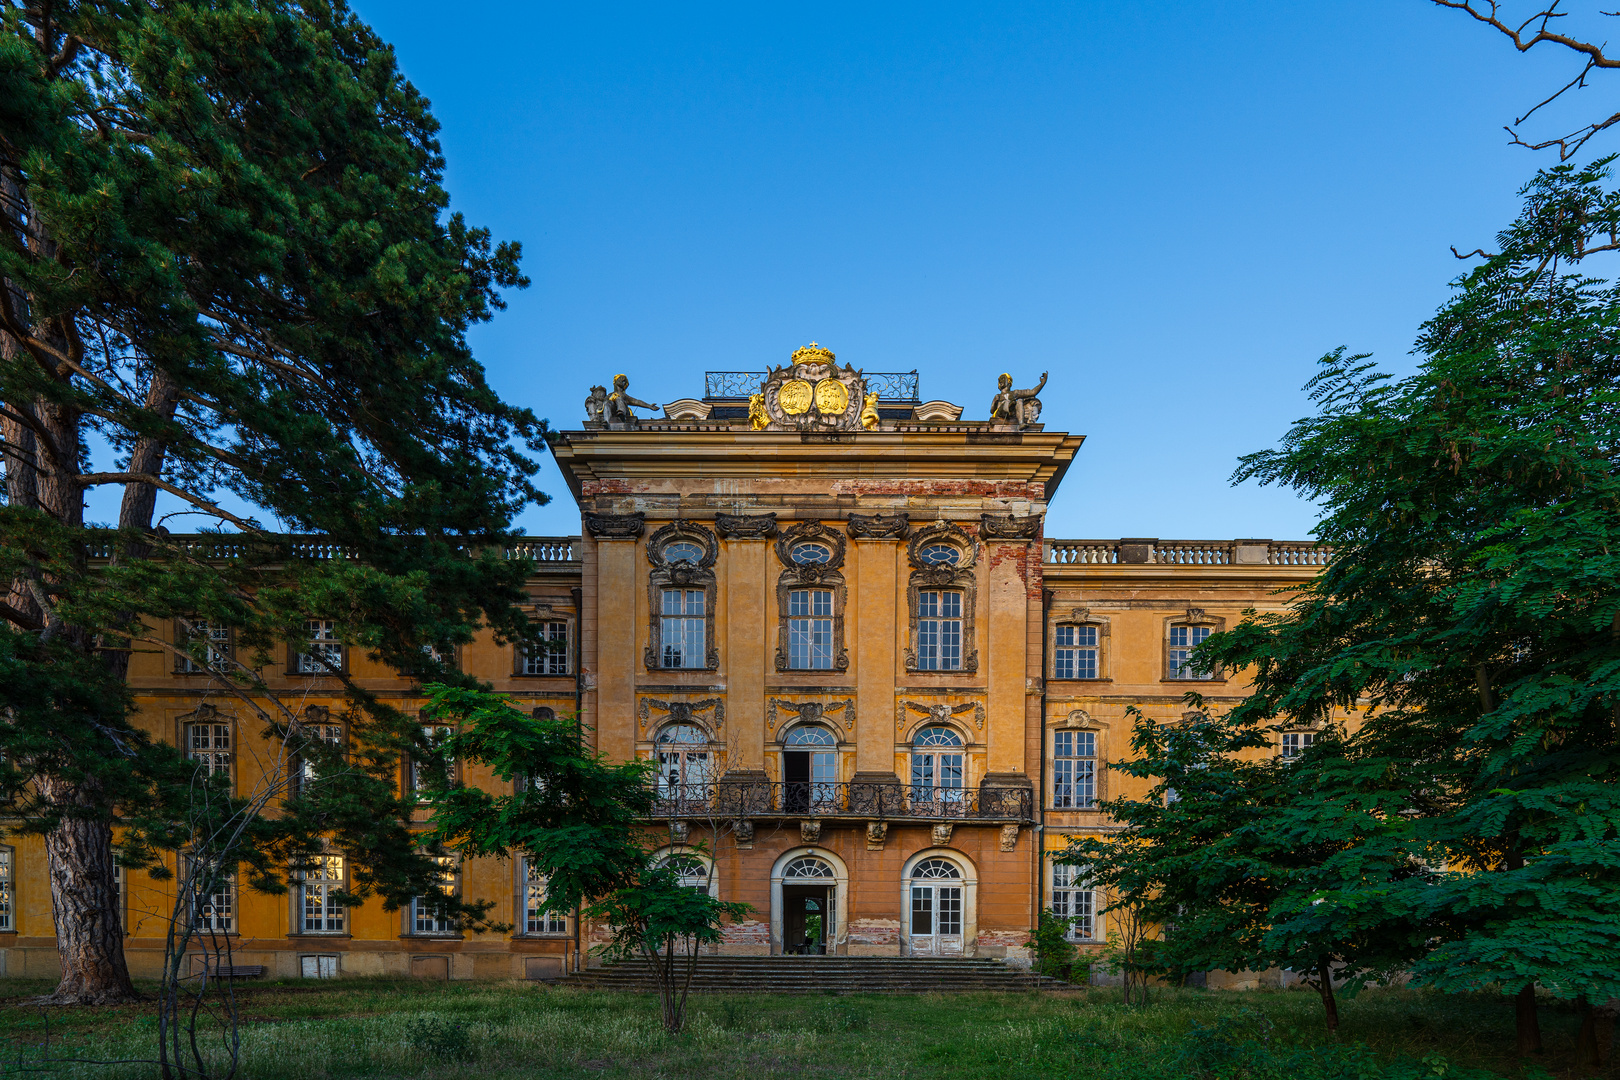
(939, 555)
(209, 645)
(1183, 640)
(214, 901)
(1295, 743)
(810, 553)
(319, 909)
(1074, 899)
(210, 746)
(538, 917)
(937, 766)
(321, 652)
(1075, 655)
(427, 915)
(8, 895)
(810, 628)
(681, 631)
(939, 630)
(551, 657)
(1074, 769)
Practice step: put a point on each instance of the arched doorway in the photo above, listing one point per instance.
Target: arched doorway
(809, 899)
(939, 905)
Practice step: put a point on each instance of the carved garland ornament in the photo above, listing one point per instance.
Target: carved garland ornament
(616, 526)
(684, 712)
(824, 575)
(746, 526)
(1010, 527)
(879, 526)
(810, 712)
(942, 714)
(680, 575)
(959, 576)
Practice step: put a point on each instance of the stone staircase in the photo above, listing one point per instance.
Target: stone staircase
(826, 975)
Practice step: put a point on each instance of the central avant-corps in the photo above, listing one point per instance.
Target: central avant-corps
(875, 691)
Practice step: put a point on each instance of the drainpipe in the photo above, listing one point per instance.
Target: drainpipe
(1040, 792)
(578, 594)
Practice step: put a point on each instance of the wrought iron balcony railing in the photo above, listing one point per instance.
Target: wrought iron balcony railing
(887, 802)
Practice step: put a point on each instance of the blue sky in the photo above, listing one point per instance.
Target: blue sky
(1174, 208)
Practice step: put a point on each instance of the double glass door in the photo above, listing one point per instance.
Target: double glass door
(936, 920)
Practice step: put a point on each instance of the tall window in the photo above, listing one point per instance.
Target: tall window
(809, 769)
(691, 872)
(1074, 899)
(214, 903)
(1075, 654)
(1074, 769)
(210, 746)
(427, 917)
(325, 734)
(550, 658)
(320, 652)
(1295, 743)
(1183, 640)
(319, 910)
(681, 631)
(939, 630)
(8, 894)
(538, 916)
(936, 766)
(434, 765)
(810, 627)
(683, 761)
(211, 640)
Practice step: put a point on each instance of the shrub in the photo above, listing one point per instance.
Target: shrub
(434, 1036)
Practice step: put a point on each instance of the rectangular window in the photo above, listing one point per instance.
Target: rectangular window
(1295, 743)
(1075, 900)
(538, 918)
(1074, 769)
(423, 771)
(331, 735)
(211, 640)
(321, 652)
(318, 967)
(681, 631)
(939, 631)
(552, 657)
(319, 910)
(214, 903)
(426, 916)
(810, 629)
(210, 746)
(8, 895)
(1183, 640)
(1075, 655)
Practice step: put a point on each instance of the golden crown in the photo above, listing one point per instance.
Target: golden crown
(813, 354)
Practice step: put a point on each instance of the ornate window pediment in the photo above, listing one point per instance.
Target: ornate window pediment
(942, 594)
(810, 598)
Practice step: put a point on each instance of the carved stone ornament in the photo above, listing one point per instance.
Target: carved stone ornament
(876, 833)
(1010, 527)
(744, 832)
(616, 526)
(1020, 408)
(1195, 614)
(745, 526)
(943, 714)
(879, 526)
(810, 393)
(313, 714)
(678, 832)
(1080, 615)
(684, 712)
(811, 712)
(1077, 718)
(942, 833)
(809, 831)
(1009, 837)
(202, 714)
(815, 532)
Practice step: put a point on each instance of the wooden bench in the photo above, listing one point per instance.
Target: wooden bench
(237, 971)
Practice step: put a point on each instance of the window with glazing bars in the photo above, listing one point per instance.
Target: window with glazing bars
(939, 631)
(1183, 640)
(1074, 769)
(212, 640)
(214, 904)
(421, 771)
(321, 652)
(8, 896)
(426, 915)
(210, 746)
(810, 629)
(1075, 654)
(681, 631)
(550, 658)
(331, 735)
(1074, 899)
(538, 917)
(319, 910)
(1295, 743)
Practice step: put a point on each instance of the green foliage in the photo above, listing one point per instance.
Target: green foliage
(1054, 952)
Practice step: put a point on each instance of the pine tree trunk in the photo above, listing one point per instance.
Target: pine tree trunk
(1529, 1028)
(84, 900)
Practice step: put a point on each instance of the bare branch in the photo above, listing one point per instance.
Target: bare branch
(90, 480)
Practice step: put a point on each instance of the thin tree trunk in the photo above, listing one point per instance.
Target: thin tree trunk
(84, 900)
(1587, 1054)
(1527, 1025)
(1330, 1004)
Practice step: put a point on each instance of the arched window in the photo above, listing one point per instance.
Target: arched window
(807, 868)
(684, 767)
(692, 871)
(683, 551)
(809, 769)
(937, 767)
(936, 868)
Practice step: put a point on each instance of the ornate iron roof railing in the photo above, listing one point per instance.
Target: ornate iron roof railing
(740, 385)
(886, 802)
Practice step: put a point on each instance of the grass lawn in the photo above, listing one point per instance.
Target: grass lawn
(374, 1028)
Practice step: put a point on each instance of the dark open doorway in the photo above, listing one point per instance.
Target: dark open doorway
(807, 919)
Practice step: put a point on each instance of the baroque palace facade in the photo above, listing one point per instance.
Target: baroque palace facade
(877, 694)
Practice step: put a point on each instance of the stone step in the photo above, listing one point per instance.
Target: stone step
(826, 974)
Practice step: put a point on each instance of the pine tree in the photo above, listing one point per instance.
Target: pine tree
(227, 271)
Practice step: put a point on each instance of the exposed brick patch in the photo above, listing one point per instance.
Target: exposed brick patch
(591, 488)
(994, 489)
(752, 932)
(874, 932)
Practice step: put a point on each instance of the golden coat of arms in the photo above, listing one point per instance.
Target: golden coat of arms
(794, 396)
(832, 397)
(813, 392)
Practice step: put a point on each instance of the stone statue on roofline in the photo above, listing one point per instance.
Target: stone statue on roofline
(596, 405)
(619, 408)
(1021, 408)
